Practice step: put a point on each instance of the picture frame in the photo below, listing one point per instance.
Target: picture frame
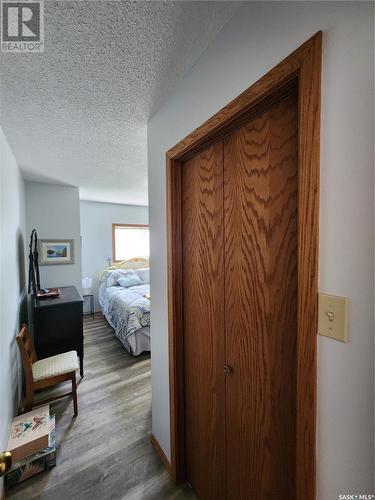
(54, 252)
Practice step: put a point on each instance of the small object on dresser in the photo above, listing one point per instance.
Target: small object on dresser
(35, 463)
(46, 293)
(29, 433)
(34, 276)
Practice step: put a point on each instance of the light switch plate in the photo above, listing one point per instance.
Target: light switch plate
(332, 316)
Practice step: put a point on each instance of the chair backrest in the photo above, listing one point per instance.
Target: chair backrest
(27, 350)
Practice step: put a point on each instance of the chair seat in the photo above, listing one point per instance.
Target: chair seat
(55, 365)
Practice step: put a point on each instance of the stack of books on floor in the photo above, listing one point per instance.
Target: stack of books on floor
(32, 442)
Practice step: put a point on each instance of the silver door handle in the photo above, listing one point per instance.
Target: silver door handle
(227, 369)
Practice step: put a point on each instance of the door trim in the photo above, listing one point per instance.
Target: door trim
(303, 67)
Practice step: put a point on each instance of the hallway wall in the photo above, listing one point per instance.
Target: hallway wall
(259, 36)
(13, 293)
(53, 210)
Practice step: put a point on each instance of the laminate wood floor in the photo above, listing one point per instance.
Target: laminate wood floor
(105, 453)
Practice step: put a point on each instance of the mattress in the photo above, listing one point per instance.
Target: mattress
(139, 342)
(127, 310)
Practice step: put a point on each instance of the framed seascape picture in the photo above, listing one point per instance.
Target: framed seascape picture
(52, 252)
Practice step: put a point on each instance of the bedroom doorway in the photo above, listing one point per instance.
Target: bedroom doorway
(124, 287)
(242, 189)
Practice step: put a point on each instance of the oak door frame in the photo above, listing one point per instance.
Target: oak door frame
(302, 68)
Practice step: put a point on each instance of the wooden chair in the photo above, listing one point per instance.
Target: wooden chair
(43, 373)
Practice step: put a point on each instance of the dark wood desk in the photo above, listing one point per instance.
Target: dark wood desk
(58, 324)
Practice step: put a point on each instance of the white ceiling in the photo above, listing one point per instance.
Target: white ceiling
(77, 113)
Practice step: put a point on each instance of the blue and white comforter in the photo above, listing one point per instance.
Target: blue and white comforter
(126, 309)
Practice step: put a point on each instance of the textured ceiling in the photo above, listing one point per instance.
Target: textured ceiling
(77, 113)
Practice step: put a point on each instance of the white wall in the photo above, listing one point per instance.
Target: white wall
(53, 210)
(96, 231)
(13, 297)
(255, 40)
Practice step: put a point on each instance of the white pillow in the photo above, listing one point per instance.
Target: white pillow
(144, 274)
(129, 280)
(120, 273)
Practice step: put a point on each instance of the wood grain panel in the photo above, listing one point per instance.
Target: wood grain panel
(285, 71)
(308, 248)
(203, 302)
(302, 66)
(175, 319)
(261, 202)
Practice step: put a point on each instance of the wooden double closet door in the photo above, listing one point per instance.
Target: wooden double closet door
(240, 278)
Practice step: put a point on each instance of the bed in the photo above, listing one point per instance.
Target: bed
(124, 296)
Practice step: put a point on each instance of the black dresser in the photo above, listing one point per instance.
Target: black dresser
(58, 325)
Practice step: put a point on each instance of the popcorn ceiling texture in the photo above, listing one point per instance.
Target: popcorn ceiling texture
(77, 114)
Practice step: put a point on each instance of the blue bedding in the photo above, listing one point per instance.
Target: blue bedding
(126, 309)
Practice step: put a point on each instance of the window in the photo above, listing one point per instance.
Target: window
(129, 241)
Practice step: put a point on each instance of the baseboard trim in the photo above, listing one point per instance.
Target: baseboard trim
(160, 453)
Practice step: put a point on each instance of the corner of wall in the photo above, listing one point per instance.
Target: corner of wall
(13, 293)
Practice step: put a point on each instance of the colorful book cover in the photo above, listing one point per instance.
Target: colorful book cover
(29, 433)
(34, 464)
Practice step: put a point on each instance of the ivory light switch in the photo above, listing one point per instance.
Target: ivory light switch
(332, 316)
